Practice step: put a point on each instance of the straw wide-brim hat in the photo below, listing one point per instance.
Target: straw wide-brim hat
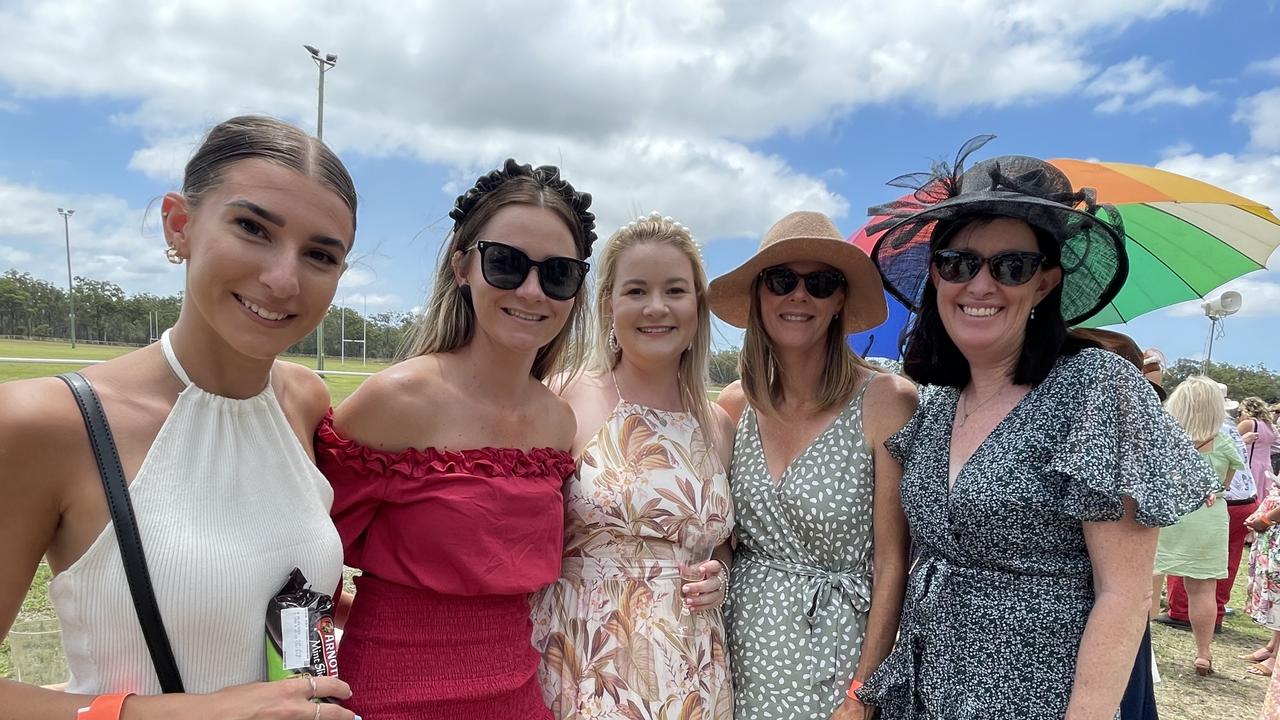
(805, 235)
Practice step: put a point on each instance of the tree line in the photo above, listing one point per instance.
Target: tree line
(37, 309)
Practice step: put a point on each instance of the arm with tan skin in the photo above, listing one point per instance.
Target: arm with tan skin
(1122, 554)
(706, 594)
(890, 402)
(42, 442)
(733, 401)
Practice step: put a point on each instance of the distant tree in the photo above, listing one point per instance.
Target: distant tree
(723, 366)
(1241, 381)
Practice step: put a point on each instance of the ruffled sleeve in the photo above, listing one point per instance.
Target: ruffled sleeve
(901, 443)
(1119, 442)
(467, 522)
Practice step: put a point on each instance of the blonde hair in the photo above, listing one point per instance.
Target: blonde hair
(1197, 404)
(762, 375)
(692, 370)
(447, 323)
(1255, 408)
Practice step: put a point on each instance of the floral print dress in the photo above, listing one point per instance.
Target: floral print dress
(1002, 587)
(1262, 602)
(608, 628)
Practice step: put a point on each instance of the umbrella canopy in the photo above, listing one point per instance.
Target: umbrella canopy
(882, 340)
(1184, 237)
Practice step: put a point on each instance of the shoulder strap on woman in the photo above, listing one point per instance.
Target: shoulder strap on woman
(135, 562)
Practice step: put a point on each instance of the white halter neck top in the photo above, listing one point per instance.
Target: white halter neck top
(227, 503)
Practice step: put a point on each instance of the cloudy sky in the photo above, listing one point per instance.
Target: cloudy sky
(726, 115)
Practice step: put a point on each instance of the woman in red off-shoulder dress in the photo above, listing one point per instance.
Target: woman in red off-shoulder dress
(447, 468)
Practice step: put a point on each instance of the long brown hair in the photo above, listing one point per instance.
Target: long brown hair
(447, 323)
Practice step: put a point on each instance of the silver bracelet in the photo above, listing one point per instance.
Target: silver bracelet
(723, 576)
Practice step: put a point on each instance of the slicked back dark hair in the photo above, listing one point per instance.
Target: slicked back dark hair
(930, 357)
(255, 137)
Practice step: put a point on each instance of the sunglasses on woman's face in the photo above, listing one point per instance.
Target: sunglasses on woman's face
(781, 280)
(506, 268)
(1010, 268)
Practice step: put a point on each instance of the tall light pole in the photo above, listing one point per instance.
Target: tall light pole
(71, 300)
(324, 62)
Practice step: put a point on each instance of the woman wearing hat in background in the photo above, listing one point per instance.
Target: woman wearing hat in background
(1035, 470)
(817, 585)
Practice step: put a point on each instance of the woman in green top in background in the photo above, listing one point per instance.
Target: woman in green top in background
(1195, 549)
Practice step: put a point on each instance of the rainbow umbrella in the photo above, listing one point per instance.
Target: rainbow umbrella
(1184, 237)
(882, 340)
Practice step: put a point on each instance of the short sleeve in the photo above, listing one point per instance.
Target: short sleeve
(901, 443)
(1120, 442)
(1227, 453)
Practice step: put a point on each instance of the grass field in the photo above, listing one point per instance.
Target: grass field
(340, 386)
(1231, 694)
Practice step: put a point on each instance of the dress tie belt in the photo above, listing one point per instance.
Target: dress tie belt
(832, 600)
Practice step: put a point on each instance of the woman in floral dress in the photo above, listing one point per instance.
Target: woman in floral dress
(652, 453)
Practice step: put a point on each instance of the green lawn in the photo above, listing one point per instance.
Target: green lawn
(1231, 694)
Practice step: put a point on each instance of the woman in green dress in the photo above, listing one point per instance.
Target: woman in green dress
(820, 567)
(1195, 549)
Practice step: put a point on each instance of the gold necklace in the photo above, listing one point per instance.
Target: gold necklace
(965, 406)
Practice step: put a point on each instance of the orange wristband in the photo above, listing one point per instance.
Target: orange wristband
(104, 707)
(853, 688)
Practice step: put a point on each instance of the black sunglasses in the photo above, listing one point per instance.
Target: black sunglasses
(506, 268)
(781, 280)
(1010, 268)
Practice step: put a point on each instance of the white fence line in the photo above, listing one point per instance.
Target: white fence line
(67, 361)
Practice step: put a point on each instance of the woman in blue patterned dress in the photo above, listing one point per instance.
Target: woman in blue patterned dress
(1036, 470)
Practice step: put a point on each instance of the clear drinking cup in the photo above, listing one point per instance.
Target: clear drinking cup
(35, 646)
(694, 548)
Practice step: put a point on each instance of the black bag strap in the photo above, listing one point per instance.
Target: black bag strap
(135, 561)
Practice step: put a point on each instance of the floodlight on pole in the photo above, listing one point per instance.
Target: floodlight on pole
(324, 64)
(71, 301)
(1228, 303)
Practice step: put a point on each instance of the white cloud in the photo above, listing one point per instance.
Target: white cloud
(1271, 66)
(1256, 177)
(13, 256)
(107, 239)
(656, 104)
(1137, 85)
(1261, 113)
(684, 87)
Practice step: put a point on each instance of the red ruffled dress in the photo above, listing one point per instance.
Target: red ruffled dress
(451, 544)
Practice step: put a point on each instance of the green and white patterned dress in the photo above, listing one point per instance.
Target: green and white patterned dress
(801, 579)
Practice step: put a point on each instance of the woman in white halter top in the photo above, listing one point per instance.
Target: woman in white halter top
(215, 440)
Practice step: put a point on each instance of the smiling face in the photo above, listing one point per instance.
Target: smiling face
(265, 247)
(654, 302)
(797, 320)
(523, 319)
(983, 317)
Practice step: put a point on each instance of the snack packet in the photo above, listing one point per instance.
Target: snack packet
(300, 637)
